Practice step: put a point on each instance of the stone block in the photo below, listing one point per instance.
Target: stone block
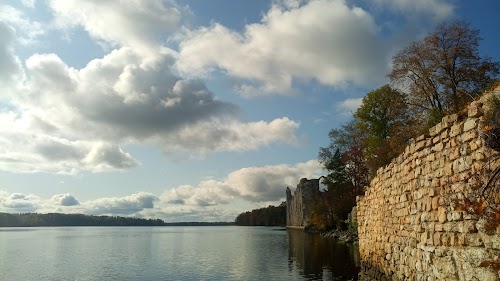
(461, 239)
(465, 150)
(445, 239)
(455, 130)
(438, 227)
(468, 136)
(475, 110)
(438, 147)
(435, 202)
(457, 216)
(420, 145)
(444, 135)
(467, 227)
(436, 238)
(474, 240)
(471, 124)
(454, 153)
(453, 239)
(478, 155)
(442, 215)
(432, 131)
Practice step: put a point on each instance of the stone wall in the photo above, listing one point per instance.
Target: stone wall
(299, 206)
(409, 227)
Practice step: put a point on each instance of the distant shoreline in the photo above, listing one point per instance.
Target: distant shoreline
(64, 220)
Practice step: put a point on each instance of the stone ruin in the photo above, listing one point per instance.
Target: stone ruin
(299, 206)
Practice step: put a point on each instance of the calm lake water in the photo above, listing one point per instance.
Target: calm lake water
(171, 253)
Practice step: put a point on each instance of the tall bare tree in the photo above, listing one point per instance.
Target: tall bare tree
(444, 71)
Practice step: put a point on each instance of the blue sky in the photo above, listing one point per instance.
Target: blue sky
(190, 110)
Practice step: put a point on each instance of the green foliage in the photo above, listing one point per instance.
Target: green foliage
(491, 122)
(384, 118)
(337, 176)
(347, 173)
(268, 216)
(492, 114)
(435, 76)
(352, 227)
(434, 116)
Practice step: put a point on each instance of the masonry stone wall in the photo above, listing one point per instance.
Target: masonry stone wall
(299, 206)
(409, 227)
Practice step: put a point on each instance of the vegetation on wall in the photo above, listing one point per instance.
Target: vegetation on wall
(491, 123)
(443, 72)
(431, 78)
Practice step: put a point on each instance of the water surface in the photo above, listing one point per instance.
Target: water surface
(171, 253)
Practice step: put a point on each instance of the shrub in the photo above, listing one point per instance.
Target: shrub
(491, 122)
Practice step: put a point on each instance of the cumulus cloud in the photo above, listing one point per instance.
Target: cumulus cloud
(65, 200)
(323, 40)
(254, 184)
(77, 118)
(133, 23)
(10, 66)
(18, 202)
(22, 150)
(210, 200)
(27, 31)
(127, 205)
(131, 205)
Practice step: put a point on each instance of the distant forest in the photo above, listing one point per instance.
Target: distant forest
(57, 219)
(268, 216)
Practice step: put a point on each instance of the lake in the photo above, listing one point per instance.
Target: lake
(172, 253)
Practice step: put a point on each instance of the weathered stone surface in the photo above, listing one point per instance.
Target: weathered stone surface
(409, 228)
(299, 206)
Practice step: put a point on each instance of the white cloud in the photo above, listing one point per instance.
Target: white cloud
(131, 205)
(254, 184)
(325, 40)
(68, 120)
(128, 205)
(24, 150)
(18, 202)
(210, 200)
(142, 24)
(349, 106)
(26, 30)
(10, 66)
(65, 200)
(28, 3)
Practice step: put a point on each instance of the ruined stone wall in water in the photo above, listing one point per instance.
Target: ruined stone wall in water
(408, 223)
(299, 206)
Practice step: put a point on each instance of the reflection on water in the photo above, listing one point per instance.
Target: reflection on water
(320, 258)
(170, 253)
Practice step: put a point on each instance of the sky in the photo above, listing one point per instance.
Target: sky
(190, 110)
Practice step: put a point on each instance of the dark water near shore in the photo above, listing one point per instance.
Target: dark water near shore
(171, 253)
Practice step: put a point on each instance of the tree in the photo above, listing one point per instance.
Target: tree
(268, 216)
(386, 122)
(444, 71)
(347, 172)
(349, 140)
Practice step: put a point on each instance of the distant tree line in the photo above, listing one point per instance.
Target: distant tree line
(58, 219)
(431, 78)
(268, 216)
